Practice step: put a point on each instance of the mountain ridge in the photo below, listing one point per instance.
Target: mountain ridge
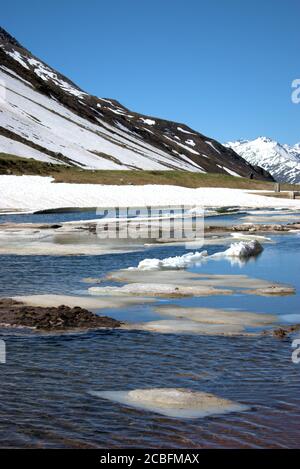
(47, 116)
(282, 161)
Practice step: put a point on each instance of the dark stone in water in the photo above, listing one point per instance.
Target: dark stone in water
(280, 333)
(283, 331)
(14, 313)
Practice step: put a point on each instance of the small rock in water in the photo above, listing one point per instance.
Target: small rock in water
(280, 333)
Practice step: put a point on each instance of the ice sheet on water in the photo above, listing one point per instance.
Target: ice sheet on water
(174, 402)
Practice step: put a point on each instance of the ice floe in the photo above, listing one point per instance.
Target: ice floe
(186, 326)
(205, 321)
(250, 237)
(218, 316)
(174, 402)
(242, 249)
(88, 302)
(177, 262)
(159, 290)
(185, 278)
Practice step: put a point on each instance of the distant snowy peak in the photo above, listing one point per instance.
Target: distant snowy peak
(46, 116)
(282, 161)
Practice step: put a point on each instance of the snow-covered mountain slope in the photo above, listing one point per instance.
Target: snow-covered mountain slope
(282, 161)
(45, 116)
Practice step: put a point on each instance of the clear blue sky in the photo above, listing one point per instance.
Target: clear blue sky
(224, 67)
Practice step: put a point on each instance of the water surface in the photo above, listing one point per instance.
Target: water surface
(47, 380)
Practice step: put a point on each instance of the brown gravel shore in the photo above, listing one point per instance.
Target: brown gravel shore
(62, 318)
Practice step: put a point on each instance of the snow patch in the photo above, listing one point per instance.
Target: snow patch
(229, 171)
(185, 131)
(213, 146)
(38, 193)
(18, 57)
(148, 121)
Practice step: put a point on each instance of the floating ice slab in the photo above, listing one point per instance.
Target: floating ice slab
(87, 302)
(155, 289)
(185, 326)
(33, 239)
(251, 237)
(151, 276)
(174, 402)
(218, 316)
(182, 278)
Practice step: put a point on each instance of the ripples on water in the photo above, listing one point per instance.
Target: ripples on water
(45, 385)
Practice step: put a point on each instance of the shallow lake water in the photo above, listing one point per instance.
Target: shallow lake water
(47, 381)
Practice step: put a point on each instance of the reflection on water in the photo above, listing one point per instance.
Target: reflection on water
(46, 383)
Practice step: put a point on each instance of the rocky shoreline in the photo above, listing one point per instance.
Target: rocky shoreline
(253, 228)
(15, 314)
(62, 318)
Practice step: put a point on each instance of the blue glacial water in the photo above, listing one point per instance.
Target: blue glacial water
(45, 396)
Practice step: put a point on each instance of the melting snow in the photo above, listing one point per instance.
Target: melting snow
(212, 145)
(46, 73)
(229, 171)
(36, 192)
(183, 146)
(185, 131)
(177, 262)
(148, 121)
(58, 129)
(18, 57)
(13, 147)
(243, 249)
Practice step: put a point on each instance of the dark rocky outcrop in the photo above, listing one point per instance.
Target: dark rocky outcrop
(62, 318)
(283, 331)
